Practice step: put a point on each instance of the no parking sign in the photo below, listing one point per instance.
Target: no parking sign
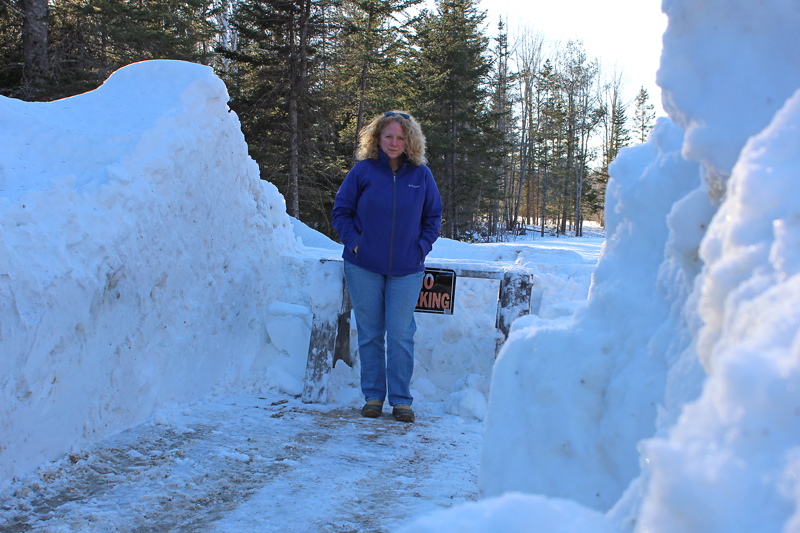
(438, 293)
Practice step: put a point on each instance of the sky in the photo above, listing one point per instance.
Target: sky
(625, 32)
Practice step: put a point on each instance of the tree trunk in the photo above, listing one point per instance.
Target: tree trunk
(524, 155)
(299, 68)
(365, 72)
(34, 40)
(544, 194)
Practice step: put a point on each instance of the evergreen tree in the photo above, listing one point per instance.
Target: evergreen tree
(86, 40)
(380, 47)
(502, 107)
(11, 54)
(620, 135)
(274, 81)
(615, 134)
(451, 71)
(34, 41)
(363, 75)
(643, 116)
(552, 147)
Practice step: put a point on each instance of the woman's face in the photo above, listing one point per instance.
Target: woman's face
(393, 140)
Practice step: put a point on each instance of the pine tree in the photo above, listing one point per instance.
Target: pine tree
(552, 147)
(379, 46)
(275, 78)
(34, 39)
(81, 42)
(270, 82)
(643, 116)
(503, 110)
(451, 72)
(615, 134)
(363, 74)
(11, 54)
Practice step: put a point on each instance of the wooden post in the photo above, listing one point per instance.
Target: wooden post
(343, 331)
(513, 301)
(324, 328)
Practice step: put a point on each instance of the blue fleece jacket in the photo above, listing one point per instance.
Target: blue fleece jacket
(392, 218)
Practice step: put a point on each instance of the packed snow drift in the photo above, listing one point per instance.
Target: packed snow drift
(131, 220)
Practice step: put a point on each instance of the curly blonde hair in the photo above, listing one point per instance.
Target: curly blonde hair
(369, 138)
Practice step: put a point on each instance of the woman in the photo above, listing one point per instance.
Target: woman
(388, 213)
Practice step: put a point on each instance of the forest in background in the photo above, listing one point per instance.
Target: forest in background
(520, 130)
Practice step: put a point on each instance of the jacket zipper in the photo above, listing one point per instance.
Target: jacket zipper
(394, 215)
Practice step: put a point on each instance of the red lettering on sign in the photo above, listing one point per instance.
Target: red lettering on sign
(428, 282)
(435, 301)
(446, 301)
(423, 300)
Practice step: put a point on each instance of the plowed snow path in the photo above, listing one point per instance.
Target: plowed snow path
(255, 464)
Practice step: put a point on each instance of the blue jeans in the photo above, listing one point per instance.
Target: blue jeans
(384, 306)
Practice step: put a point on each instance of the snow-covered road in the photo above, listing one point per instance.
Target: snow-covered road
(256, 463)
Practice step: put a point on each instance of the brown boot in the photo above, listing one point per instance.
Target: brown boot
(372, 409)
(403, 413)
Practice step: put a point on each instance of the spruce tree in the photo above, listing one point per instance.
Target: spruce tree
(81, 42)
(274, 78)
(11, 55)
(34, 41)
(451, 76)
(643, 116)
(552, 147)
(613, 118)
(363, 75)
(503, 110)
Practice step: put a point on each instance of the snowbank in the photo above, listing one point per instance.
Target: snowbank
(585, 392)
(139, 253)
(514, 513)
(731, 461)
(727, 67)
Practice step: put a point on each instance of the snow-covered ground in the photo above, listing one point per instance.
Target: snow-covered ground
(258, 463)
(156, 303)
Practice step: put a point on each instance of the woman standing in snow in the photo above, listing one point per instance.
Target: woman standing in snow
(388, 213)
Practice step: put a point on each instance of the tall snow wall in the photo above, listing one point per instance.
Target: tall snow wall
(142, 259)
(586, 394)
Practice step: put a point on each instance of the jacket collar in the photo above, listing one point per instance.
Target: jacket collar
(385, 160)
